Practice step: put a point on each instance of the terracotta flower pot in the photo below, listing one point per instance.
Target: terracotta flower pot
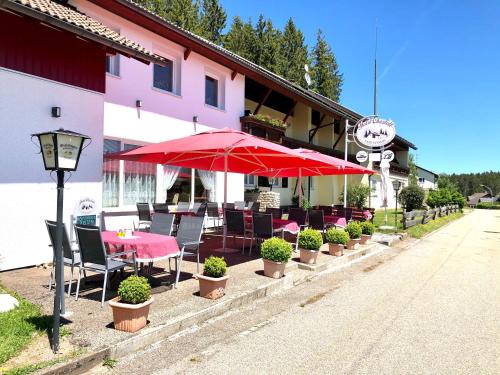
(308, 256)
(128, 317)
(336, 249)
(353, 243)
(365, 238)
(276, 270)
(212, 287)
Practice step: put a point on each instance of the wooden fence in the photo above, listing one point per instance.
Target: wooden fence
(424, 216)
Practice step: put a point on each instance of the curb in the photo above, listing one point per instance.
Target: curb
(152, 335)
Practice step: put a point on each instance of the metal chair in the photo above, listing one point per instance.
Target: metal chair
(255, 207)
(160, 208)
(189, 237)
(276, 212)
(162, 224)
(327, 210)
(234, 225)
(94, 257)
(201, 210)
(262, 228)
(144, 215)
(317, 220)
(183, 207)
(298, 215)
(229, 206)
(239, 205)
(196, 205)
(348, 214)
(213, 213)
(71, 256)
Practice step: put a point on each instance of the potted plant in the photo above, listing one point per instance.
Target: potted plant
(354, 231)
(275, 253)
(310, 241)
(213, 280)
(131, 307)
(367, 230)
(337, 239)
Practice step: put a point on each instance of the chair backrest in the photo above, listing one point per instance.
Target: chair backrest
(160, 207)
(276, 212)
(162, 224)
(317, 219)
(235, 222)
(202, 208)
(183, 206)
(229, 206)
(144, 212)
(262, 225)
(196, 205)
(327, 210)
(250, 204)
(213, 210)
(239, 205)
(256, 206)
(348, 214)
(190, 229)
(298, 215)
(91, 246)
(52, 229)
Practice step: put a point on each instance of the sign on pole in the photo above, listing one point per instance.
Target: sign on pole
(388, 155)
(362, 156)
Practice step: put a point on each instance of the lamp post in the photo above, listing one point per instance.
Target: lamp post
(489, 189)
(61, 150)
(396, 185)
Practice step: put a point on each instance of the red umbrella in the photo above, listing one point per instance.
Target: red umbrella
(224, 150)
(331, 166)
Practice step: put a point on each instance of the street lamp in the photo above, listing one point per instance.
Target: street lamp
(61, 150)
(396, 185)
(489, 189)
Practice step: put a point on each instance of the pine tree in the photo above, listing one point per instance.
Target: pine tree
(213, 20)
(327, 80)
(241, 39)
(185, 14)
(160, 7)
(293, 53)
(267, 48)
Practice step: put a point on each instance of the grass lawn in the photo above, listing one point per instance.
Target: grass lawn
(379, 218)
(19, 326)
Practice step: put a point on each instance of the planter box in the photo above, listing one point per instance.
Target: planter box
(365, 238)
(308, 256)
(212, 288)
(276, 270)
(353, 244)
(128, 317)
(336, 249)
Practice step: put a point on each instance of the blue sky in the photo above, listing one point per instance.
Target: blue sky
(438, 62)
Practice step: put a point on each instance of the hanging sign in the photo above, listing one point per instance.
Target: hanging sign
(388, 155)
(372, 131)
(362, 156)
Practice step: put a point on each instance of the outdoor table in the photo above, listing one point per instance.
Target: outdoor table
(149, 247)
(281, 225)
(336, 220)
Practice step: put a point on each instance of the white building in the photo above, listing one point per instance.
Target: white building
(427, 179)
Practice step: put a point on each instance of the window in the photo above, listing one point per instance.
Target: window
(211, 91)
(113, 65)
(421, 180)
(249, 179)
(163, 76)
(111, 175)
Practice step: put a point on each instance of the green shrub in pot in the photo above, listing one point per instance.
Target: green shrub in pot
(337, 236)
(214, 267)
(134, 290)
(310, 239)
(354, 230)
(276, 249)
(367, 228)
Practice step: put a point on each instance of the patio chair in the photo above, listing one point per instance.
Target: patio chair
(255, 207)
(234, 225)
(213, 213)
(144, 215)
(327, 210)
(189, 238)
(229, 206)
(71, 255)
(348, 214)
(196, 205)
(183, 207)
(239, 205)
(162, 224)
(276, 212)
(262, 228)
(317, 220)
(298, 215)
(160, 208)
(201, 210)
(94, 257)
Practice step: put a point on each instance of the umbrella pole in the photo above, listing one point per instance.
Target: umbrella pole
(300, 187)
(225, 180)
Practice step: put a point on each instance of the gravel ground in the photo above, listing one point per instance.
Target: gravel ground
(433, 308)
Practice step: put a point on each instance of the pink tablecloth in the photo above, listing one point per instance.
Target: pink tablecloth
(337, 220)
(148, 246)
(281, 224)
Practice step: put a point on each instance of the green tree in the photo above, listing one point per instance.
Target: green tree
(213, 20)
(327, 80)
(241, 39)
(267, 47)
(185, 14)
(413, 176)
(293, 54)
(160, 7)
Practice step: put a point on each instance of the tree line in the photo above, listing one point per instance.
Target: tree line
(470, 183)
(283, 52)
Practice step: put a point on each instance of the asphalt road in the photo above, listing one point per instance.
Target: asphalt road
(431, 308)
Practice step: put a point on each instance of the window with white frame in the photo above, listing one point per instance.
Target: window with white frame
(211, 91)
(163, 76)
(113, 65)
(249, 180)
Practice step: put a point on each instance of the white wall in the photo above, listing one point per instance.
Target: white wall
(27, 192)
(430, 181)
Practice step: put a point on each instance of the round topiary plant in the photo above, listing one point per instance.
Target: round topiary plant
(214, 267)
(367, 228)
(134, 290)
(276, 250)
(310, 239)
(337, 236)
(354, 230)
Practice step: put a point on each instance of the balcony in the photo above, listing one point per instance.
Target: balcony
(262, 129)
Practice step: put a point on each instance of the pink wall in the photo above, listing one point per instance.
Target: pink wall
(136, 78)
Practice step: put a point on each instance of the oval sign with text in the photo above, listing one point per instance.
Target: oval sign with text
(372, 131)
